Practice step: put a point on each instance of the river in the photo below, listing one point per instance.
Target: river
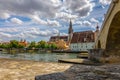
(43, 56)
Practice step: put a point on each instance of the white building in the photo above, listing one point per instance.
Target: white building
(82, 41)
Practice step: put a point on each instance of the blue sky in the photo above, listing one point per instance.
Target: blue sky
(36, 20)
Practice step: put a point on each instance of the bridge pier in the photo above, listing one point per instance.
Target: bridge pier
(96, 54)
(104, 56)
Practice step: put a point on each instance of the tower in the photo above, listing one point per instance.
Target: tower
(70, 31)
(97, 32)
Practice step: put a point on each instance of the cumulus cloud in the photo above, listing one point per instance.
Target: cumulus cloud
(38, 20)
(30, 7)
(46, 8)
(105, 2)
(16, 21)
(63, 34)
(66, 16)
(83, 23)
(80, 7)
(47, 22)
(94, 20)
(55, 31)
(27, 33)
(86, 23)
(4, 15)
(9, 30)
(38, 32)
(79, 22)
(53, 23)
(2, 34)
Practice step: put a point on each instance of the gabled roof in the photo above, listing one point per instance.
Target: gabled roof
(53, 37)
(84, 36)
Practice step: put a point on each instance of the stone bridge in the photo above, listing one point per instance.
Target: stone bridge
(109, 36)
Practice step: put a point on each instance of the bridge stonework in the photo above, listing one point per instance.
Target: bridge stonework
(109, 36)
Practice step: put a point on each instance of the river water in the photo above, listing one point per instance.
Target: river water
(46, 57)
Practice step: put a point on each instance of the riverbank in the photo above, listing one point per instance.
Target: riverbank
(86, 72)
(13, 69)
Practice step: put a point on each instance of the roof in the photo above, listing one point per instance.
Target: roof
(58, 37)
(84, 36)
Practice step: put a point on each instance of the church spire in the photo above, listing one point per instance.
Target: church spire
(70, 31)
(70, 27)
(97, 32)
(97, 27)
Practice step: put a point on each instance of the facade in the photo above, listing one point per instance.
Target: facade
(78, 41)
(23, 42)
(56, 38)
(81, 41)
(64, 38)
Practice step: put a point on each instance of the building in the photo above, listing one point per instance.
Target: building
(56, 38)
(78, 41)
(81, 41)
(64, 38)
(23, 42)
(97, 32)
(70, 32)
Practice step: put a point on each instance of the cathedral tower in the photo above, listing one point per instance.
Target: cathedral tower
(70, 31)
(97, 32)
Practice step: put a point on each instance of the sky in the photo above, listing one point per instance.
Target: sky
(36, 20)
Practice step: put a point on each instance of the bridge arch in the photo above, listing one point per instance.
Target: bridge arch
(99, 44)
(113, 38)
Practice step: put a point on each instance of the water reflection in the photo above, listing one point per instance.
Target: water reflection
(47, 57)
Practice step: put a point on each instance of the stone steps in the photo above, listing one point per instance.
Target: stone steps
(76, 61)
(83, 55)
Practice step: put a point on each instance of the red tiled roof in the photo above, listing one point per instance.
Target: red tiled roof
(58, 37)
(81, 37)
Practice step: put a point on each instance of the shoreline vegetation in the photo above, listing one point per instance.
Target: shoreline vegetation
(15, 46)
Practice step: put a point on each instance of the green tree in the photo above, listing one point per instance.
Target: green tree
(53, 46)
(21, 46)
(42, 44)
(14, 43)
(32, 45)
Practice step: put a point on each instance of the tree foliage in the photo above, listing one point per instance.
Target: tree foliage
(32, 45)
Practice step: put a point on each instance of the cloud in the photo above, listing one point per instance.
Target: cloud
(65, 16)
(105, 2)
(83, 23)
(30, 7)
(26, 33)
(46, 8)
(38, 20)
(16, 21)
(63, 34)
(4, 15)
(79, 22)
(47, 22)
(2, 35)
(94, 20)
(53, 23)
(43, 33)
(86, 23)
(81, 7)
(55, 31)
(9, 30)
